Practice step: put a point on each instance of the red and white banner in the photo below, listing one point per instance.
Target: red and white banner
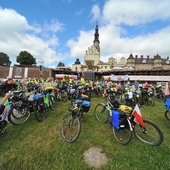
(138, 116)
(59, 76)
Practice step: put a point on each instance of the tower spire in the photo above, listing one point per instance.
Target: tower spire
(96, 35)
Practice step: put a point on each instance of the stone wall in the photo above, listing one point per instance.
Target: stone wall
(24, 72)
(4, 72)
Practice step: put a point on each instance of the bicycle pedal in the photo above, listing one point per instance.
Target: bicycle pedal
(144, 130)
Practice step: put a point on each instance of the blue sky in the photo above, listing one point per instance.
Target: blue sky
(56, 31)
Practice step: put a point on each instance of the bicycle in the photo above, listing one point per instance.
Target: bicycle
(50, 94)
(167, 105)
(38, 106)
(125, 122)
(144, 130)
(14, 111)
(35, 105)
(62, 94)
(102, 111)
(4, 118)
(71, 124)
(146, 98)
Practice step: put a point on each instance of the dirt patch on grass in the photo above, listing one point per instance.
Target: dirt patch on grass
(95, 157)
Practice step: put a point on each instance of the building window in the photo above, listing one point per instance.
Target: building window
(105, 67)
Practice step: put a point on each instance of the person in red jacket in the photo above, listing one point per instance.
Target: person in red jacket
(146, 86)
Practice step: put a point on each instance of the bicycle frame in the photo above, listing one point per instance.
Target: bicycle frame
(6, 110)
(143, 130)
(4, 116)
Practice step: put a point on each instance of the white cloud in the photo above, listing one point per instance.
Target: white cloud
(134, 12)
(131, 13)
(80, 45)
(9, 26)
(20, 36)
(54, 26)
(42, 40)
(95, 12)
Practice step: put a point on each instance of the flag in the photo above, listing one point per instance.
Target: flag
(125, 77)
(138, 116)
(113, 77)
(167, 92)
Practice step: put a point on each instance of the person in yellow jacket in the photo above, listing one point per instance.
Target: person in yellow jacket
(48, 79)
(83, 81)
(70, 80)
(64, 79)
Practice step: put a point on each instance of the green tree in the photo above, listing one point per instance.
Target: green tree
(25, 58)
(4, 59)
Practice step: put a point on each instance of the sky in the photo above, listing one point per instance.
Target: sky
(56, 31)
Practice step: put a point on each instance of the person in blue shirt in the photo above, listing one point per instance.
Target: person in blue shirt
(136, 84)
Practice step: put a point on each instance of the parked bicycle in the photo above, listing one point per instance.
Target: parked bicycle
(146, 98)
(38, 106)
(4, 118)
(49, 97)
(167, 105)
(71, 125)
(143, 130)
(62, 94)
(15, 111)
(125, 122)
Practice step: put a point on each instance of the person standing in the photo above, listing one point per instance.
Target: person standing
(9, 85)
(136, 84)
(167, 90)
(146, 86)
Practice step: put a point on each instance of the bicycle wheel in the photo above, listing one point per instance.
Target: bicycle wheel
(71, 127)
(18, 115)
(64, 97)
(151, 101)
(101, 113)
(167, 114)
(124, 134)
(40, 112)
(150, 134)
(52, 99)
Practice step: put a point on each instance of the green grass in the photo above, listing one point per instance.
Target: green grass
(40, 146)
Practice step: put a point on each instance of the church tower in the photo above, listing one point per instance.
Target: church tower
(92, 55)
(96, 41)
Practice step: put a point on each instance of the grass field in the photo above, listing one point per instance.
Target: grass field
(39, 145)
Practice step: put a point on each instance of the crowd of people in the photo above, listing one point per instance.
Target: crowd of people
(117, 86)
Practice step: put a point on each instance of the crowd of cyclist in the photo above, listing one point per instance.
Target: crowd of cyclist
(101, 87)
(68, 89)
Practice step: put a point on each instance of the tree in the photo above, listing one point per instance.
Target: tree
(4, 59)
(25, 58)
